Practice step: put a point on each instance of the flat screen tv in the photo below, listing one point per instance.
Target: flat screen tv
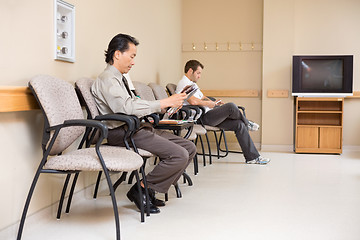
(322, 76)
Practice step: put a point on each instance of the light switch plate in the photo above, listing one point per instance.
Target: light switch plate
(64, 29)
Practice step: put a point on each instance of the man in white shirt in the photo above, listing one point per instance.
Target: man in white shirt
(225, 116)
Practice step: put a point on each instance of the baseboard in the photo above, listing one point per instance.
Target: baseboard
(277, 148)
(351, 148)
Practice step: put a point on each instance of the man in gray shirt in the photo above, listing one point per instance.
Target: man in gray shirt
(112, 95)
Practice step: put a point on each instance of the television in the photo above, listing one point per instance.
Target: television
(322, 76)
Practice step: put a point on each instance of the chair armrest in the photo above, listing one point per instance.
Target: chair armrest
(154, 117)
(85, 123)
(127, 119)
(196, 108)
(185, 110)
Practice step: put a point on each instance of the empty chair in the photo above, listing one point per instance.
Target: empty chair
(64, 124)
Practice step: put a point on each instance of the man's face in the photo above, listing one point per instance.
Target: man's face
(125, 60)
(196, 75)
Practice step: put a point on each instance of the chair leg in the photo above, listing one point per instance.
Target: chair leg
(114, 203)
(209, 148)
(63, 196)
(71, 194)
(187, 179)
(195, 160)
(196, 164)
(203, 150)
(178, 192)
(146, 191)
(131, 177)
(97, 184)
(27, 203)
(140, 196)
(217, 145)
(120, 180)
(226, 146)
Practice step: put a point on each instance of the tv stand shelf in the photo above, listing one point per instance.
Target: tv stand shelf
(318, 125)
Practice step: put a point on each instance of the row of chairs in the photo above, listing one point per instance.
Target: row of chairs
(64, 124)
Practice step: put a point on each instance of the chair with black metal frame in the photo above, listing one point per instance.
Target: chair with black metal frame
(189, 113)
(145, 92)
(83, 90)
(64, 123)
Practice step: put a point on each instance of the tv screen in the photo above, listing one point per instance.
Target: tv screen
(322, 75)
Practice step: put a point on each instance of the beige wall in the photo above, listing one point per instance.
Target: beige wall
(26, 47)
(306, 27)
(232, 21)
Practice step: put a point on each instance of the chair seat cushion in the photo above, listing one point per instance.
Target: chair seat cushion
(145, 153)
(211, 128)
(86, 159)
(199, 130)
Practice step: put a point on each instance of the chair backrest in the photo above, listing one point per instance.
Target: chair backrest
(83, 88)
(58, 101)
(159, 91)
(144, 91)
(171, 87)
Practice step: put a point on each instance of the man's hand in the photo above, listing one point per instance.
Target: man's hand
(219, 102)
(175, 101)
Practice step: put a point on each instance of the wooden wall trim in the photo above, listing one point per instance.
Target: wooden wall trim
(278, 93)
(14, 99)
(356, 94)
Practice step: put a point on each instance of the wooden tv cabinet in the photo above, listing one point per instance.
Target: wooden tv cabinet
(318, 125)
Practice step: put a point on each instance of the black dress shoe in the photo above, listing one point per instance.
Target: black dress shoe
(154, 200)
(133, 196)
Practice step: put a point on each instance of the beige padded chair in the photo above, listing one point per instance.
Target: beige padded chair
(64, 124)
(83, 89)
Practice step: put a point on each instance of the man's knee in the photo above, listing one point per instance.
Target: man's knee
(191, 150)
(232, 106)
(181, 156)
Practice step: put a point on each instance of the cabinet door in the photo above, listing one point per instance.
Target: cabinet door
(307, 137)
(330, 137)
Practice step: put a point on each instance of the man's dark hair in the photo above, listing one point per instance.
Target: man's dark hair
(193, 64)
(119, 42)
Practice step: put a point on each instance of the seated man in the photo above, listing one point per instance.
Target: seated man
(225, 116)
(113, 95)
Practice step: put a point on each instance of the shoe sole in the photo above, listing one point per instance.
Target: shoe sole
(258, 163)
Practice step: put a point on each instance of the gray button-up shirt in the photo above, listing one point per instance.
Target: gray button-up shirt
(111, 96)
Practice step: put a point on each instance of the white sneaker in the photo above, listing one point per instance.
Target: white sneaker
(259, 160)
(253, 126)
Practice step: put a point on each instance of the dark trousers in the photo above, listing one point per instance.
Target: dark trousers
(229, 118)
(175, 154)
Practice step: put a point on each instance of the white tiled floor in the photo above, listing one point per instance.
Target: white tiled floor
(296, 196)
